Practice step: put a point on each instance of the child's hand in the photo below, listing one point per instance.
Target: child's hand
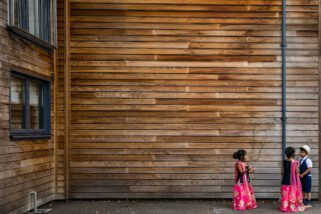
(301, 176)
(252, 171)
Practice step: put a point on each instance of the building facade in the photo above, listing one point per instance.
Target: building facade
(150, 98)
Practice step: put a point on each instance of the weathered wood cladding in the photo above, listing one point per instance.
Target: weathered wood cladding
(60, 185)
(163, 92)
(27, 165)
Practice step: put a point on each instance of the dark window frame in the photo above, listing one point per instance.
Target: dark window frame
(45, 118)
(48, 44)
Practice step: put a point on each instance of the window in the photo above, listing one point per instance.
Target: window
(32, 19)
(29, 107)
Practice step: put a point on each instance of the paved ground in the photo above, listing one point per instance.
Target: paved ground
(162, 207)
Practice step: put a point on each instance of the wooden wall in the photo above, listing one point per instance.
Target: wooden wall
(163, 92)
(60, 103)
(25, 166)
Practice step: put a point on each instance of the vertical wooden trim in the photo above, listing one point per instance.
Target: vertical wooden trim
(55, 119)
(67, 96)
(55, 95)
(319, 99)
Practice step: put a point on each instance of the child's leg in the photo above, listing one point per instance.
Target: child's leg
(309, 196)
(303, 190)
(308, 187)
(309, 203)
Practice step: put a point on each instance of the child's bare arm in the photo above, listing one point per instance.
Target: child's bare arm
(306, 172)
(239, 168)
(251, 171)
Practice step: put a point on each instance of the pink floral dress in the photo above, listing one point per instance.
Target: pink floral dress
(291, 195)
(243, 195)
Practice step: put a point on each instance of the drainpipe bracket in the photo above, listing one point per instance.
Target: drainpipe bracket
(284, 119)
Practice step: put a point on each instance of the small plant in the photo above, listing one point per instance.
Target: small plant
(258, 144)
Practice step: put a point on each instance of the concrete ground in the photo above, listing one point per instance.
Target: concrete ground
(162, 207)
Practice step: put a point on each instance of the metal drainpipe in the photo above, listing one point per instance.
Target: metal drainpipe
(284, 45)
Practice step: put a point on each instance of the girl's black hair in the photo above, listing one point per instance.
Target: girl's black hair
(240, 154)
(289, 152)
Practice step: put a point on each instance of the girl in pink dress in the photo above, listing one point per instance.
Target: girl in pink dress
(243, 195)
(291, 193)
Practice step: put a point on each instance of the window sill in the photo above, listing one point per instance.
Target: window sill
(30, 137)
(31, 38)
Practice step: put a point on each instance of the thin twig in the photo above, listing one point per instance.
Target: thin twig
(260, 142)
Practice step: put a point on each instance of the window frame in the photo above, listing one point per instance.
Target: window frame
(19, 31)
(45, 117)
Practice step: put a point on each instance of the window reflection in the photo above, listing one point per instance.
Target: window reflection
(29, 107)
(33, 13)
(17, 104)
(35, 105)
(32, 16)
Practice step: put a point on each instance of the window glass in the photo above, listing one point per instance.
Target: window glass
(34, 105)
(29, 107)
(17, 104)
(33, 16)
